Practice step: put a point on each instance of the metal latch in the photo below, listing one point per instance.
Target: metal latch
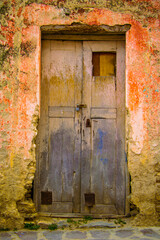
(80, 106)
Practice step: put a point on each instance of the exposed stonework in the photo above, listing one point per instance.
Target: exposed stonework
(20, 82)
(158, 188)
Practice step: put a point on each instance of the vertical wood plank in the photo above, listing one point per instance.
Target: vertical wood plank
(77, 129)
(104, 144)
(120, 180)
(97, 180)
(86, 132)
(55, 158)
(63, 67)
(67, 159)
(43, 123)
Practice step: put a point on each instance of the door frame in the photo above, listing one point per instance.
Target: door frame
(96, 33)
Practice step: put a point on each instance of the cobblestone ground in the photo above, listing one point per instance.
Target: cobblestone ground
(91, 234)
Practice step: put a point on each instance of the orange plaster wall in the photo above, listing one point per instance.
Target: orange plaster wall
(20, 74)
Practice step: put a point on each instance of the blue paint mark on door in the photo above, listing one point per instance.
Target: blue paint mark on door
(100, 146)
(104, 160)
(101, 136)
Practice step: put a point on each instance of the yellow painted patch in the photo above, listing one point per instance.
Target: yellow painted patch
(12, 156)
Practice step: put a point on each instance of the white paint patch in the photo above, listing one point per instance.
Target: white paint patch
(138, 132)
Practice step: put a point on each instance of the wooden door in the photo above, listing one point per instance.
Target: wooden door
(81, 130)
(103, 144)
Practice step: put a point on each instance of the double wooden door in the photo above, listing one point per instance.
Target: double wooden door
(82, 131)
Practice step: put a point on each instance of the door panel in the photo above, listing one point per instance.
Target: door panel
(103, 159)
(61, 153)
(103, 92)
(59, 174)
(100, 140)
(82, 127)
(62, 67)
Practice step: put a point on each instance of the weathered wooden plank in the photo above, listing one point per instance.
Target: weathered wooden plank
(58, 207)
(67, 159)
(102, 46)
(103, 113)
(55, 158)
(104, 209)
(109, 37)
(78, 215)
(86, 149)
(103, 181)
(62, 81)
(97, 177)
(109, 170)
(77, 128)
(65, 46)
(44, 108)
(61, 112)
(42, 168)
(120, 180)
(103, 92)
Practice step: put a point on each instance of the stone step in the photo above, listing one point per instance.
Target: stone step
(77, 223)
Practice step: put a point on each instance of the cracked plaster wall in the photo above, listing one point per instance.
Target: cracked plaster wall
(20, 83)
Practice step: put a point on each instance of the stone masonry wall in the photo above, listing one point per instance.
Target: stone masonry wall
(20, 83)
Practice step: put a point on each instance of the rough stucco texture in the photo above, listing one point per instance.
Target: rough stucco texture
(20, 83)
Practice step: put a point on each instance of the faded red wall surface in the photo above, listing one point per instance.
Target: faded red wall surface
(20, 94)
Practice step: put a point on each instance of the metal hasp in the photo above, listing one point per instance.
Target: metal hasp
(89, 199)
(80, 106)
(46, 198)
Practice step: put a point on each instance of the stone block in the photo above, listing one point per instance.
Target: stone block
(158, 208)
(158, 196)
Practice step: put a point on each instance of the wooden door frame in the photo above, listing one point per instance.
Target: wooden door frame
(96, 33)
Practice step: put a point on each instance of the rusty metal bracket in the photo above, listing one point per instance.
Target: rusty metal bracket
(80, 106)
(88, 123)
(89, 199)
(46, 198)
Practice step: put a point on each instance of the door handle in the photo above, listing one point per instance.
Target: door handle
(80, 106)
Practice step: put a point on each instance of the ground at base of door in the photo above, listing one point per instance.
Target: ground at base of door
(72, 223)
(88, 234)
